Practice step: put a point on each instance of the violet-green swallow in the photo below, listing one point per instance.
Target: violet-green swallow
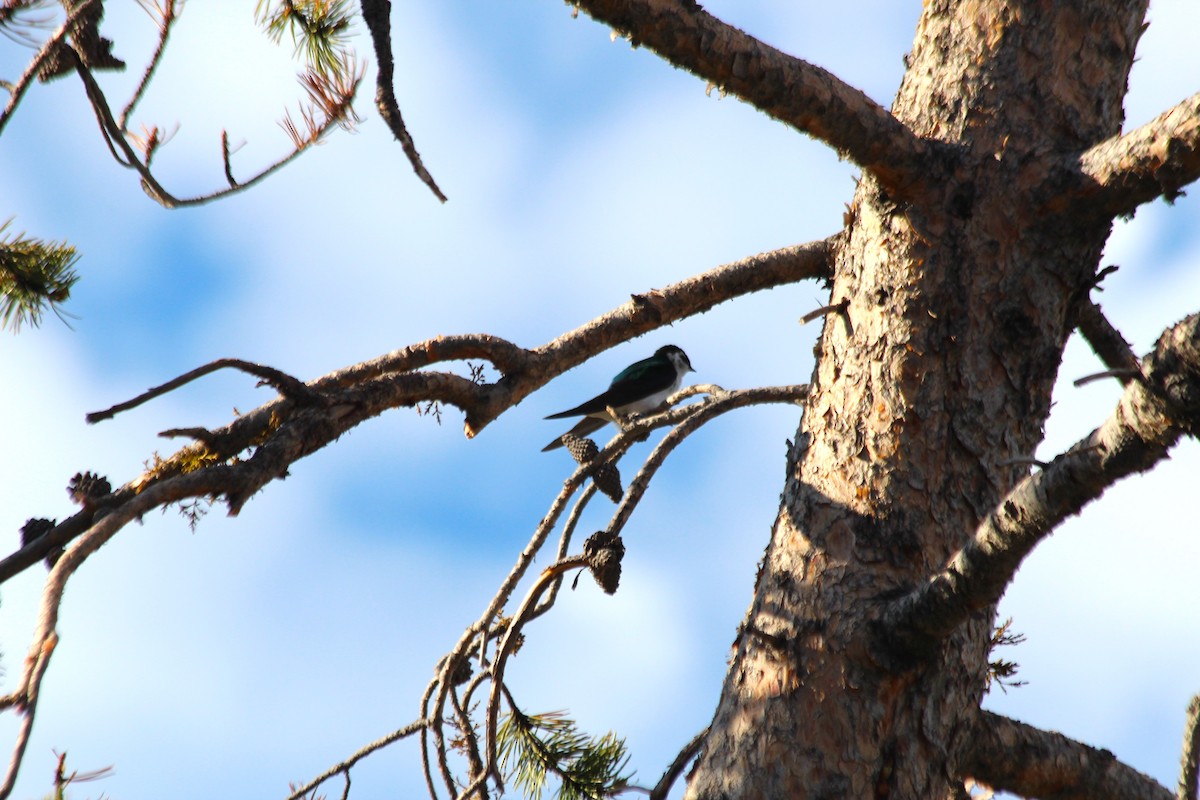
(640, 387)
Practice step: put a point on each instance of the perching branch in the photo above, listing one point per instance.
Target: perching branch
(1014, 757)
(1157, 159)
(1148, 421)
(801, 95)
(369, 388)
(601, 555)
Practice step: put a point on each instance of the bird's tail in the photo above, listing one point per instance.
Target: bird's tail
(582, 428)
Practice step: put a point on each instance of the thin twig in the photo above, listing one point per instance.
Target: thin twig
(285, 384)
(470, 742)
(30, 691)
(114, 136)
(344, 766)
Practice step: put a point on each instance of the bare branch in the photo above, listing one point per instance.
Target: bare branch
(797, 93)
(1157, 159)
(1149, 419)
(1189, 768)
(377, 15)
(343, 767)
(527, 370)
(1015, 757)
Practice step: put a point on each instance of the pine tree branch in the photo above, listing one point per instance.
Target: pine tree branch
(1157, 159)
(527, 370)
(795, 92)
(356, 393)
(1015, 757)
(349, 396)
(1149, 419)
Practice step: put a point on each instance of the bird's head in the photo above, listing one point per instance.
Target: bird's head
(677, 357)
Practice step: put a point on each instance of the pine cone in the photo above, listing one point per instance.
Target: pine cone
(88, 488)
(604, 552)
(36, 528)
(581, 449)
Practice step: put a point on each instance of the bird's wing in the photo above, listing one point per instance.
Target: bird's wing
(636, 381)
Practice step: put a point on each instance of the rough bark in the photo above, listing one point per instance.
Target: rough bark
(940, 371)
(1015, 757)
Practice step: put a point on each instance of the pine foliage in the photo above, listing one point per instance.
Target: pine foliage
(532, 747)
(34, 276)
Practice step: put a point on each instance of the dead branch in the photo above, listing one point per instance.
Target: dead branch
(1015, 757)
(1149, 419)
(685, 421)
(797, 93)
(545, 580)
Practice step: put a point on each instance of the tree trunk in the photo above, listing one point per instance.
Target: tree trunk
(959, 294)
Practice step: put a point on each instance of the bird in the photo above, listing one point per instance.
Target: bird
(642, 386)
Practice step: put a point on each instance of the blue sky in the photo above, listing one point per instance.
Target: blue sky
(259, 650)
